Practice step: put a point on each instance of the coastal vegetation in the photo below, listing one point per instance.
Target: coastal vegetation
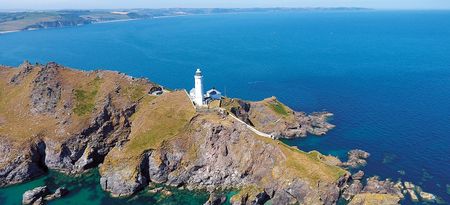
(278, 108)
(85, 98)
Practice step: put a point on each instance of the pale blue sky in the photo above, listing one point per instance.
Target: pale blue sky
(104, 4)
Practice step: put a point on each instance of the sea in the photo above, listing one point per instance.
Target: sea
(385, 74)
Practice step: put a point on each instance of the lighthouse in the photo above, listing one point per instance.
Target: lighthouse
(198, 89)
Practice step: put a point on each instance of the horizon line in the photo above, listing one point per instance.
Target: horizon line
(161, 8)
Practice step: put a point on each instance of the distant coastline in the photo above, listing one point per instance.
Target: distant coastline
(15, 21)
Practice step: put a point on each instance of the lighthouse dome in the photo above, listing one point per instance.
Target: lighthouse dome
(198, 72)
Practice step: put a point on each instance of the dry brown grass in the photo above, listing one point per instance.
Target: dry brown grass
(157, 119)
(300, 164)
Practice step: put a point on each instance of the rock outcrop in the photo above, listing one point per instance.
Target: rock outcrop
(60, 192)
(40, 195)
(273, 117)
(356, 158)
(374, 192)
(20, 164)
(46, 89)
(216, 199)
(35, 196)
(24, 69)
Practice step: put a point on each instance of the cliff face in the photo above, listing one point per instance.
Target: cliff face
(57, 118)
(52, 117)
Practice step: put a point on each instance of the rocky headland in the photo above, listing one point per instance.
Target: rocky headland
(53, 117)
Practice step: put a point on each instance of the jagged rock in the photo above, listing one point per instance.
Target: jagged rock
(374, 185)
(60, 192)
(356, 158)
(22, 164)
(87, 148)
(24, 69)
(35, 195)
(242, 111)
(358, 175)
(46, 90)
(39, 201)
(216, 199)
(352, 190)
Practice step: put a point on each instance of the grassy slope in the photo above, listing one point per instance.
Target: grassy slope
(305, 165)
(18, 124)
(157, 119)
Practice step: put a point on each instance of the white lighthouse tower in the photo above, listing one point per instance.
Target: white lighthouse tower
(198, 89)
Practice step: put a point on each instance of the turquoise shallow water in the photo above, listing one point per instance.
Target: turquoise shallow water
(84, 189)
(385, 74)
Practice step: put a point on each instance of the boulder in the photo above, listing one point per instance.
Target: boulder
(354, 189)
(425, 196)
(374, 185)
(35, 195)
(413, 195)
(216, 199)
(409, 185)
(358, 175)
(166, 192)
(155, 190)
(60, 192)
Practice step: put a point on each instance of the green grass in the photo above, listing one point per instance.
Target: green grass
(308, 164)
(159, 119)
(135, 92)
(85, 98)
(278, 108)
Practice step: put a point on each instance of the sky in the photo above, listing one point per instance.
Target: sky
(116, 4)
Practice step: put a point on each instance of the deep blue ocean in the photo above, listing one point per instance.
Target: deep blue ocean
(384, 74)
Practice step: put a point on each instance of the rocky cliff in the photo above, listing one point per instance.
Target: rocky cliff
(62, 119)
(274, 118)
(53, 117)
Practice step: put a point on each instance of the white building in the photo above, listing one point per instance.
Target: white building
(196, 93)
(213, 94)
